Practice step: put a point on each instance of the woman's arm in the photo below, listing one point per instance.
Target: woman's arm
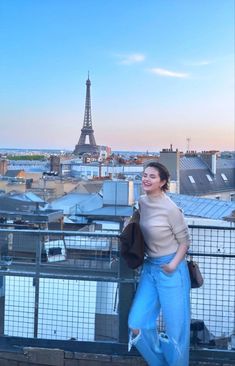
(180, 254)
(181, 233)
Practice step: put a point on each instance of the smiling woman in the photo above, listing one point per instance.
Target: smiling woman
(164, 282)
(155, 181)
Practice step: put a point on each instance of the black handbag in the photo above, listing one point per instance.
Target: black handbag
(195, 275)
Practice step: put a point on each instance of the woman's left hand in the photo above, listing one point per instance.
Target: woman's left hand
(168, 268)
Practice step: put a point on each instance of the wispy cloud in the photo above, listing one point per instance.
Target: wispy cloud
(198, 63)
(131, 58)
(168, 73)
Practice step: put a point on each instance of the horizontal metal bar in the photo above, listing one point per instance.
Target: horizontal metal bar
(227, 228)
(219, 255)
(226, 356)
(95, 234)
(61, 233)
(83, 277)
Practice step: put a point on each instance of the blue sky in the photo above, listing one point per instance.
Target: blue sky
(161, 71)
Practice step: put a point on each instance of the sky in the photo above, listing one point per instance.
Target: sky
(161, 71)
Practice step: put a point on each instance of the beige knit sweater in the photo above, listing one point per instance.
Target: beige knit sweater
(162, 224)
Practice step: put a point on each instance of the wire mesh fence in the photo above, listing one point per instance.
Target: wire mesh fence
(214, 303)
(59, 285)
(74, 286)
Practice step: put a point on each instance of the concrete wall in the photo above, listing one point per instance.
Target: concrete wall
(56, 357)
(53, 357)
(224, 196)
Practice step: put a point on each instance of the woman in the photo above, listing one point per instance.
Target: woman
(164, 282)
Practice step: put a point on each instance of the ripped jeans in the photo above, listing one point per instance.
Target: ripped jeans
(168, 292)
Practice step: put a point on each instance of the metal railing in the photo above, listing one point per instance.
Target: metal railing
(214, 302)
(73, 286)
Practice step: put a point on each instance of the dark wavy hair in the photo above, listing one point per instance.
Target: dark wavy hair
(162, 171)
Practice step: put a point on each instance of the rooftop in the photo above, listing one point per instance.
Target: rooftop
(203, 207)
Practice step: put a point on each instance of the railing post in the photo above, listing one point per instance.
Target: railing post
(126, 293)
(2, 304)
(36, 283)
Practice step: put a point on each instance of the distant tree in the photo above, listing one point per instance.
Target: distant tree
(121, 160)
(121, 176)
(27, 157)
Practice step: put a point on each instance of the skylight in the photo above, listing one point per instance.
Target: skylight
(191, 179)
(209, 178)
(224, 177)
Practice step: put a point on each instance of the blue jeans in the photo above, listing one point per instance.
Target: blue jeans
(168, 292)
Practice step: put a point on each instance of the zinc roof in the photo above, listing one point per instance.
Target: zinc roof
(193, 162)
(77, 202)
(203, 207)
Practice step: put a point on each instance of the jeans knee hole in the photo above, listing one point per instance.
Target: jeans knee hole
(135, 332)
(164, 337)
(133, 339)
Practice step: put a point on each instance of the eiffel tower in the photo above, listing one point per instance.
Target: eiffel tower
(82, 146)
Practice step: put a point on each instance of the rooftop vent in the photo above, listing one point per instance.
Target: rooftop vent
(118, 193)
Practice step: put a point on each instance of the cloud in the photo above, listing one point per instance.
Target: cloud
(199, 63)
(168, 73)
(131, 58)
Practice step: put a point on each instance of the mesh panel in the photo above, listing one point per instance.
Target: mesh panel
(65, 285)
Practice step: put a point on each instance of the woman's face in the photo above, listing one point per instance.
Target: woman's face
(151, 181)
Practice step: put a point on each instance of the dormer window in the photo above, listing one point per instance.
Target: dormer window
(224, 177)
(191, 179)
(209, 178)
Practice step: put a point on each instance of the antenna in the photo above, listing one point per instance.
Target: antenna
(188, 139)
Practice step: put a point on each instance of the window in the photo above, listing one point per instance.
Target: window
(232, 196)
(224, 177)
(209, 178)
(191, 179)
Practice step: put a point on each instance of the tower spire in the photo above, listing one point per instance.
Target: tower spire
(87, 132)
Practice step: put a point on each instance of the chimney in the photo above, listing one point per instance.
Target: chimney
(55, 163)
(171, 159)
(209, 158)
(3, 166)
